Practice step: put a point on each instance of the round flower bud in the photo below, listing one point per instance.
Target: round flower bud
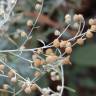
(92, 21)
(89, 34)
(68, 50)
(45, 91)
(80, 41)
(51, 59)
(63, 44)
(29, 23)
(59, 88)
(68, 44)
(66, 60)
(75, 25)
(23, 34)
(67, 18)
(75, 18)
(37, 62)
(93, 28)
(57, 77)
(38, 6)
(67, 21)
(53, 73)
(78, 18)
(28, 90)
(13, 79)
(81, 18)
(56, 43)
(33, 87)
(5, 86)
(49, 51)
(2, 67)
(57, 33)
(11, 74)
(39, 51)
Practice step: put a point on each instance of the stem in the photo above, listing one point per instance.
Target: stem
(62, 74)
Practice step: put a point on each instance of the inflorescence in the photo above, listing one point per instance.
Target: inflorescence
(44, 59)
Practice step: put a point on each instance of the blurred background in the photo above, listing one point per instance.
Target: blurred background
(81, 75)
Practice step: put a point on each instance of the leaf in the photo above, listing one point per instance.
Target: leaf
(41, 42)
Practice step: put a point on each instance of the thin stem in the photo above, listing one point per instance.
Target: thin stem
(12, 69)
(21, 57)
(64, 31)
(62, 74)
(33, 25)
(24, 50)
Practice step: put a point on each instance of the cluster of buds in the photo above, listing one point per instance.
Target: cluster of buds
(54, 76)
(38, 6)
(76, 18)
(28, 87)
(49, 58)
(12, 76)
(92, 23)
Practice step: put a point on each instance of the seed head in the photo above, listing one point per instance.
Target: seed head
(80, 41)
(51, 59)
(38, 6)
(68, 44)
(28, 90)
(2, 67)
(59, 88)
(29, 23)
(75, 25)
(33, 87)
(89, 34)
(68, 50)
(5, 86)
(23, 34)
(78, 18)
(63, 44)
(49, 51)
(37, 62)
(56, 43)
(92, 21)
(67, 18)
(57, 77)
(39, 51)
(13, 79)
(93, 28)
(57, 33)
(11, 74)
(66, 60)
(53, 73)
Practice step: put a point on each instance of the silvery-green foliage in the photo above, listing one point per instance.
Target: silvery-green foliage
(6, 10)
